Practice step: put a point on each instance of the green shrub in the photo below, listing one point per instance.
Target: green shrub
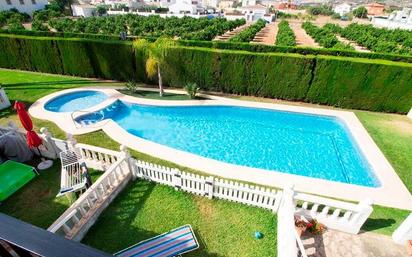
(298, 50)
(360, 84)
(131, 86)
(375, 85)
(249, 33)
(285, 36)
(240, 72)
(191, 89)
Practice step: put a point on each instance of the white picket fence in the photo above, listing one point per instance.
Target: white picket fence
(50, 148)
(119, 168)
(82, 214)
(339, 215)
(404, 232)
(209, 186)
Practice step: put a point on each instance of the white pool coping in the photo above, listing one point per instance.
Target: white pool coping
(391, 193)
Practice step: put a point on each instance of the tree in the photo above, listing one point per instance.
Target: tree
(360, 12)
(156, 55)
(101, 9)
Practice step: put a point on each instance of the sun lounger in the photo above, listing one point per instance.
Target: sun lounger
(173, 243)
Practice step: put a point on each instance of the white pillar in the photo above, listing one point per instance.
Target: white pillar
(404, 232)
(286, 225)
(4, 100)
(128, 159)
(52, 151)
(410, 114)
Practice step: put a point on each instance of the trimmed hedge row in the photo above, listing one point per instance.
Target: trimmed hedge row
(226, 45)
(86, 58)
(338, 81)
(69, 35)
(298, 50)
(358, 84)
(242, 73)
(375, 85)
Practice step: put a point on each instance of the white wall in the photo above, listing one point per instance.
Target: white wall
(182, 6)
(26, 6)
(84, 11)
(390, 24)
(342, 9)
(4, 100)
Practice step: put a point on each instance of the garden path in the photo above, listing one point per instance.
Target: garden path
(267, 35)
(333, 243)
(353, 44)
(230, 33)
(302, 39)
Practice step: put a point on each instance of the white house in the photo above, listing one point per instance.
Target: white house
(210, 3)
(84, 10)
(248, 2)
(396, 20)
(254, 12)
(186, 7)
(27, 6)
(342, 9)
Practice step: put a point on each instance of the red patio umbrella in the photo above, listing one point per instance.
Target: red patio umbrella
(33, 140)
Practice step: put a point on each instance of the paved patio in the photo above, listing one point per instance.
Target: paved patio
(338, 244)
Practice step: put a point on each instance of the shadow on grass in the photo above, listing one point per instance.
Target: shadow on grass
(7, 112)
(114, 230)
(202, 251)
(155, 95)
(36, 202)
(372, 224)
(59, 82)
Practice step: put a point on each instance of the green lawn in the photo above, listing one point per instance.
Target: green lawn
(36, 202)
(391, 132)
(145, 209)
(155, 95)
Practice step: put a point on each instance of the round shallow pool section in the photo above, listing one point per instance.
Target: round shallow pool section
(75, 101)
(296, 143)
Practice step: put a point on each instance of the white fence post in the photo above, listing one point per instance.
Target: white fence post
(71, 142)
(51, 150)
(128, 160)
(404, 232)
(177, 179)
(209, 184)
(286, 233)
(365, 210)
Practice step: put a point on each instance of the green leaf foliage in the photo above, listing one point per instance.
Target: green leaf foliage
(285, 36)
(346, 82)
(249, 33)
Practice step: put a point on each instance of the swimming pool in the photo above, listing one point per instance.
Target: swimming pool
(296, 143)
(75, 101)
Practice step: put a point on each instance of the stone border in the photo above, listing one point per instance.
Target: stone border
(392, 191)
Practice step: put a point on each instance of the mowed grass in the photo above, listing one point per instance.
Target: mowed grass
(390, 131)
(36, 202)
(155, 95)
(145, 209)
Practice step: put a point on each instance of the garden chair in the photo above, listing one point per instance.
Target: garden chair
(72, 169)
(173, 243)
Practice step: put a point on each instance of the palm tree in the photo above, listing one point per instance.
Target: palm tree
(156, 55)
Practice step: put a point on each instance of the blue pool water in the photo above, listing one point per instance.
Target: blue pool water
(301, 144)
(75, 101)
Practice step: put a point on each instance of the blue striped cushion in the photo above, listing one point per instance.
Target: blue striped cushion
(172, 243)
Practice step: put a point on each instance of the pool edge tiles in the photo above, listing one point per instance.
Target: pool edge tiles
(80, 99)
(391, 193)
(334, 153)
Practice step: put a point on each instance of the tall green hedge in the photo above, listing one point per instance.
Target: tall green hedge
(283, 76)
(80, 57)
(360, 84)
(375, 85)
